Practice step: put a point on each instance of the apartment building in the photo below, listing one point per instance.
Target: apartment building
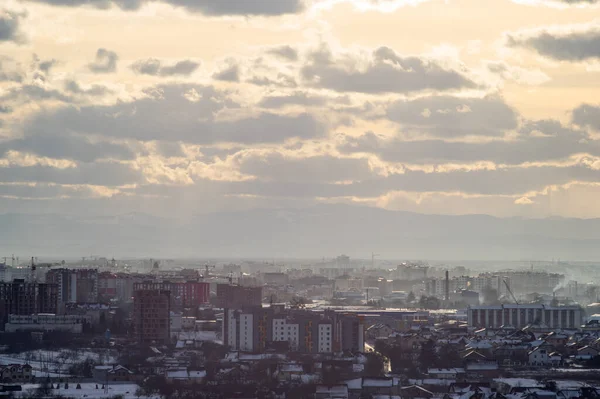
(74, 285)
(258, 329)
(24, 298)
(151, 313)
(231, 296)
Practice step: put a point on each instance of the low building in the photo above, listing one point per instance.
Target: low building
(185, 376)
(103, 374)
(46, 322)
(15, 373)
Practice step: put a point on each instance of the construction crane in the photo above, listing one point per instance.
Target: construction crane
(206, 267)
(510, 291)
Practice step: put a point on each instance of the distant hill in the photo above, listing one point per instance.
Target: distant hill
(324, 230)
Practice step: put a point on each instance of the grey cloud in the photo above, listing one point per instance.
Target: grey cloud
(46, 65)
(322, 168)
(176, 113)
(229, 74)
(44, 190)
(154, 67)
(34, 92)
(207, 7)
(95, 90)
(298, 98)
(282, 80)
(10, 70)
(98, 173)
(587, 115)
(72, 147)
(5, 109)
(286, 52)
(387, 73)
(106, 61)
(573, 46)
(554, 143)
(447, 116)
(170, 149)
(501, 181)
(9, 26)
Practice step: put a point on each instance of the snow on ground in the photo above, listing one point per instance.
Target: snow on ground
(89, 391)
(55, 363)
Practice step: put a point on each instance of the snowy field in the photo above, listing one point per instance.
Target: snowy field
(56, 363)
(88, 390)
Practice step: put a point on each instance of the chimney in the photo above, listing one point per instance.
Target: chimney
(447, 286)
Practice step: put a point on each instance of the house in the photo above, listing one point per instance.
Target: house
(290, 371)
(482, 370)
(539, 394)
(112, 373)
(379, 386)
(185, 376)
(512, 355)
(587, 352)
(446, 374)
(379, 330)
(540, 357)
(414, 392)
(15, 373)
(331, 392)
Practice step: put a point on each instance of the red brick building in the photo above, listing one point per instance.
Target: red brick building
(151, 313)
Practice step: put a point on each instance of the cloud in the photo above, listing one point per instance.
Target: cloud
(230, 73)
(281, 80)
(106, 61)
(297, 98)
(538, 141)
(206, 7)
(587, 115)
(576, 44)
(517, 74)
(98, 174)
(384, 71)
(9, 26)
(176, 113)
(10, 70)
(154, 67)
(287, 53)
(313, 169)
(45, 191)
(72, 147)
(448, 116)
(95, 90)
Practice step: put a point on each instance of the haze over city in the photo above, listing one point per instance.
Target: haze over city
(300, 128)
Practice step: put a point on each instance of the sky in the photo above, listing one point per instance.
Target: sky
(184, 107)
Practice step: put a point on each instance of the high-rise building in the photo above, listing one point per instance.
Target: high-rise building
(25, 298)
(230, 296)
(151, 312)
(74, 285)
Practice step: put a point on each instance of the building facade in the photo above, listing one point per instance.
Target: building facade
(230, 296)
(519, 316)
(26, 298)
(46, 322)
(258, 329)
(151, 313)
(74, 285)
